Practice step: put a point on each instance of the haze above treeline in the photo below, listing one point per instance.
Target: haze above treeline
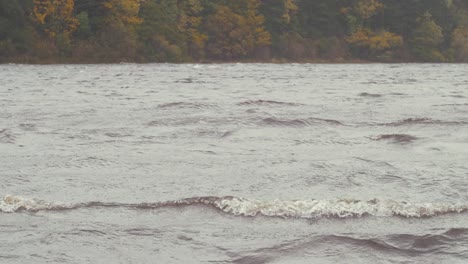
(106, 31)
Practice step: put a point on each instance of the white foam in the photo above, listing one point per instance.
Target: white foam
(334, 208)
(10, 204)
(308, 209)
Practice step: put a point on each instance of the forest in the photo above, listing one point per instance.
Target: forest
(178, 31)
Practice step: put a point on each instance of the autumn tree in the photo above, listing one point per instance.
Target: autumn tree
(118, 39)
(365, 41)
(198, 30)
(189, 23)
(56, 19)
(369, 44)
(234, 36)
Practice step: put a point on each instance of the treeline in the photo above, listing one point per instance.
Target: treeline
(48, 31)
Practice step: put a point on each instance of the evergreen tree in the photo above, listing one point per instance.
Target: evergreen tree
(426, 40)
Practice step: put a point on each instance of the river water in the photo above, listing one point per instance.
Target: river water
(234, 163)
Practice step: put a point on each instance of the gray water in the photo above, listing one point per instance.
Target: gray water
(234, 163)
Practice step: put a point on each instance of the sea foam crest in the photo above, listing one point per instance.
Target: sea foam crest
(334, 208)
(308, 209)
(10, 204)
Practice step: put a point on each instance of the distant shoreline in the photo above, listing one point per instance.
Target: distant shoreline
(273, 61)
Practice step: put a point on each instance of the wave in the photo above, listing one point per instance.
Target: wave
(306, 209)
(409, 243)
(183, 105)
(397, 138)
(452, 242)
(272, 121)
(6, 136)
(370, 95)
(266, 102)
(424, 121)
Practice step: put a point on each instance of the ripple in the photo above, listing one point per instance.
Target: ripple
(183, 105)
(370, 95)
(397, 138)
(424, 121)
(6, 136)
(117, 135)
(266, 103)
(28, 127)
(272, 121)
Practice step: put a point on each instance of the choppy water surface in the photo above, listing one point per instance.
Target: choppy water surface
(234, 163)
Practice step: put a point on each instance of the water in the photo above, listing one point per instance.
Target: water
(234, 163)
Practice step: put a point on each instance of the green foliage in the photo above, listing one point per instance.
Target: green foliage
(84, 28)
(426, 40)
(15, 28)
(162, 38)
(318, 18)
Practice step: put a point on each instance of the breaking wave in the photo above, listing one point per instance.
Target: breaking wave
(306, 209)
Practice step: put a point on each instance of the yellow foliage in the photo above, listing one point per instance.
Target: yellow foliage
(290, 7)
(384, 40)
(235, 35)
(189, 21)
(42, 9)
(460, 43)
(124, 10)
(360, 38)
(367, 8)
(56, 16)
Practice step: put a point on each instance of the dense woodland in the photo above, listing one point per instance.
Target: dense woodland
(90, 31)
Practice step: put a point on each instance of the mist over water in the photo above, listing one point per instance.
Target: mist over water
(234, 163)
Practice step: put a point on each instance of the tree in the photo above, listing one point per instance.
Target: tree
(369, 44)
(233, 36)
(118, 40)
(159, 32)
(16, 33)
(319, 19)
(56, 19)
(189, 23)
(280, 20)
(360, 12)
(426, 39)
(125, 11)
(459, 41)
(366, 41)
(400, 16)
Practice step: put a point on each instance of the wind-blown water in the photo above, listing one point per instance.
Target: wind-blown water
(234, 163)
